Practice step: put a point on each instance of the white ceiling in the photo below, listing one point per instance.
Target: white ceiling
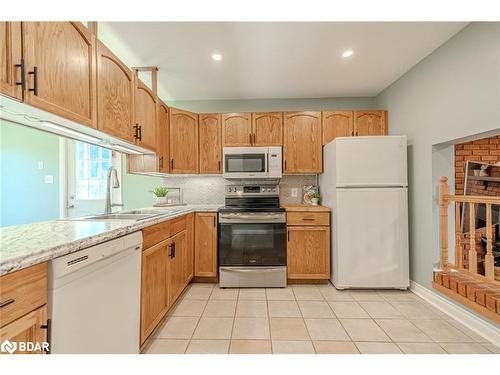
(278, 60)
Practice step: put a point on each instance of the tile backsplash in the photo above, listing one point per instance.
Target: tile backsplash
(210, 189)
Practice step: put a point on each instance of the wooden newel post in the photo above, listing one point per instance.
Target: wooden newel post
(444, 201)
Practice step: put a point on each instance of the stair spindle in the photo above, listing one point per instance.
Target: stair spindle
(489, 263)
(472, 232)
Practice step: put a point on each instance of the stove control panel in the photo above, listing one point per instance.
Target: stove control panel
(252, 190)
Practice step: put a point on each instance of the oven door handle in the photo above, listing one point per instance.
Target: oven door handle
(257, 218)
(265, 269)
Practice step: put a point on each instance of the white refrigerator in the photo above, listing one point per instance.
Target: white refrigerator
(365, 183)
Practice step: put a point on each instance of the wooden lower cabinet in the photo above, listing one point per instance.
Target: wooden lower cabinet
(205, 247)
(23, 315)
(154, 287)
(189, 255)
(308, 252)
(31, 328)
(176, 266)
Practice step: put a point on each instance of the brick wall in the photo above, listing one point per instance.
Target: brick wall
(481, 150)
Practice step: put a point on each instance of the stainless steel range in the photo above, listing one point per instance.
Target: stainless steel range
(252, 238)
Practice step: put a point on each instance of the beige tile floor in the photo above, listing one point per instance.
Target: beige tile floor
(308, 319)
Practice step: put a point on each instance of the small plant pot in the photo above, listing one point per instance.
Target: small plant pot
(314, 201)
(161, 200)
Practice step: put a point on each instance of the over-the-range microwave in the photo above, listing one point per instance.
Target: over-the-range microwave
(252, 162)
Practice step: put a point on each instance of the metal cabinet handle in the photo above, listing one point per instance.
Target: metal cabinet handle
(34, 73)
(288, 235)
(214, 222)
(136, 131)
(219, 165)
(161, 161)
(250, 137)
(22, 83)
(285, 164)
(140, 133)
(7, 302)
(171, 163)
(173, 250)
(308, 218)
(170, 253)
(48, 327)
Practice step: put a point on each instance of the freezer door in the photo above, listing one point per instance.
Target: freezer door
(370, 238)
(370, 161)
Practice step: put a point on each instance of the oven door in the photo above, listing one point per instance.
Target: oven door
(245, 162)
(252, 244)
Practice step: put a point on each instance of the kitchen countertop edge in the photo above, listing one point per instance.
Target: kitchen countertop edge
(11, 260)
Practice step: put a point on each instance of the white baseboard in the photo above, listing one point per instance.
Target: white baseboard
(489, 331)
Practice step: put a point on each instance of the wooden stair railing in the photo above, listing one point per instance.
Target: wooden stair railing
(466, 285)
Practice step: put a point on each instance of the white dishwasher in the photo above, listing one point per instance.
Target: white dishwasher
(94, 298)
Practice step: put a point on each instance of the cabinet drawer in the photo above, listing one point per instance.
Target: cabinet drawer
(308, 218)
(155, 234)
(178, 225)
(22, 292)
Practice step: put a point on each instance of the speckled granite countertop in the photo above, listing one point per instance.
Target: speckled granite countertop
(22, 246)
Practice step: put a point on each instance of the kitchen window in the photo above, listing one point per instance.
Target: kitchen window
(91, 167)
(87, 167)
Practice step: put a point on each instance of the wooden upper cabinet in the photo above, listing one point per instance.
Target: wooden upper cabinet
(205, 247)
(337, 124)
(267, 129)
(163, 135)
(60, 69)
(210, 143)
(302, 150)
(145, 115)
(183, 141)
(154, 287)
(370, 123)
(10, 63)
(236, 129)
(115, 95)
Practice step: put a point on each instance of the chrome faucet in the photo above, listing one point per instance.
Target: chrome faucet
(112, 175)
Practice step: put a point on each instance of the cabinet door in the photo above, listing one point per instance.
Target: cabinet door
(145, 115)
(337, 124)
(163, 141)
(308, 252)
(154, 287)
(60, 69)
(115, 95)
(205, 247)
(210, 143)
(175, 271)
(183, 141)
(28, 328)
(236, 129)
(370, 123)
(189, 254)
(10, 63)
(302, 151)
(267, 129)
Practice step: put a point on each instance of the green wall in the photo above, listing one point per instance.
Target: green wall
(25, 197)
(451, 94)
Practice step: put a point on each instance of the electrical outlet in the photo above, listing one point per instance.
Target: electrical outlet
(49, 179)
(40, 165)
(295, 192)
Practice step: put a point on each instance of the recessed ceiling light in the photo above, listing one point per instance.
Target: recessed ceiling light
(347, 53)
(216, 57)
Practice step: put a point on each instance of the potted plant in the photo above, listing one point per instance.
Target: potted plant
(315, 198)
(160, 193)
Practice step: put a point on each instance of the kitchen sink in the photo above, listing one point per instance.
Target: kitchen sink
(119, 216)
